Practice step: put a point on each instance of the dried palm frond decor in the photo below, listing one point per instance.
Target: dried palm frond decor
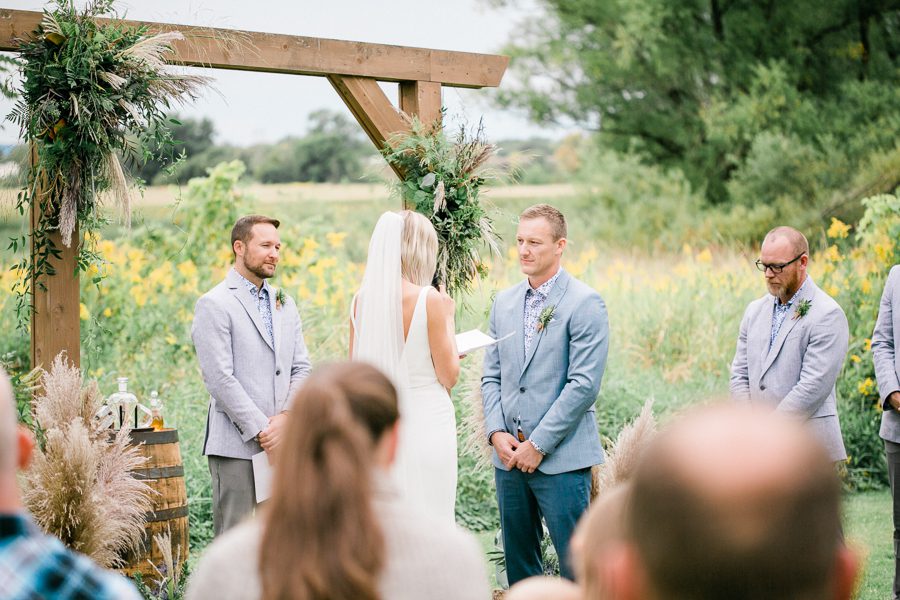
(442, 180)
(91, 91)
(622, 455)
(79, 487)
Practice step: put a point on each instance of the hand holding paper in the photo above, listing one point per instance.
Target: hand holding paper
(474, 339)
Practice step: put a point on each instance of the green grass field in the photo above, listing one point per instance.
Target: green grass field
(867, 518)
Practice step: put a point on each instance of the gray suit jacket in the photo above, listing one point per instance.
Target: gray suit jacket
(553, 389)
(885, 355)
(797, 376)
(248, 380)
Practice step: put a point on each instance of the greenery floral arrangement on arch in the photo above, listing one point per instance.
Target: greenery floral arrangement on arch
(442, 180)
(93, 93)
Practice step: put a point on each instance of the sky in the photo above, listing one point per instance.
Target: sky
(250, 108)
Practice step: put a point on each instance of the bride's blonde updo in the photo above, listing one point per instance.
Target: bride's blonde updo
(418, 248)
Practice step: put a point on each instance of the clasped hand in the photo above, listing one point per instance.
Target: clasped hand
(894, 400)
(270, 437)
(514, 454)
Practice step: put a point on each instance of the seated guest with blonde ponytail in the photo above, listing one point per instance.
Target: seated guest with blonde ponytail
(334, 529)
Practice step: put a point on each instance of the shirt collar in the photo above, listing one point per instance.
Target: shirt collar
(252, 286)
(544, 288)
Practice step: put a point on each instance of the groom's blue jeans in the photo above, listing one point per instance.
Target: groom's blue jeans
(526, 497)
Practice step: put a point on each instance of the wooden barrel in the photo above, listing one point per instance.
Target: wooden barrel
(164, 473)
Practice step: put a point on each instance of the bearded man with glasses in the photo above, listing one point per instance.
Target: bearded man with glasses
(792, 342)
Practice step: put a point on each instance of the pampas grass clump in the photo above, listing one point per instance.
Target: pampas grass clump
(79, 487)
(622, 455)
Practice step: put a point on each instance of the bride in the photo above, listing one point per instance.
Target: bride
(405, 327)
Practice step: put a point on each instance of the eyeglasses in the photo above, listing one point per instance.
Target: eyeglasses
(777, 268)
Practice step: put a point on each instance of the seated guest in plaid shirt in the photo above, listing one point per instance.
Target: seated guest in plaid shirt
(34, 565)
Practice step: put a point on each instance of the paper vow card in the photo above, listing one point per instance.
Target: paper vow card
(262, 476)
(474, 339)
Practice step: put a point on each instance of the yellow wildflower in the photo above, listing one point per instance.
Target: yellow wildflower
(883, 252)
(838, 229)
(833, 254)
(866, 387)
(107, 312)
(335, 238)
(139, 295)
(309, 246)
(855, 358)
(187, 269)
(705, 256)
(171, 339)
(83, 312)
(868, 344)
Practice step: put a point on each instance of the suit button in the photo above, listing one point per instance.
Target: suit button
(762, 387)
(278, 372)
(521, 390)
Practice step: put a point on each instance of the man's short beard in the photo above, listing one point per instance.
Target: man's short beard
(258, 271)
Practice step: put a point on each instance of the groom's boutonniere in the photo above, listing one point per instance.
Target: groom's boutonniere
(802, 308)
(280, 298)
(545, 317)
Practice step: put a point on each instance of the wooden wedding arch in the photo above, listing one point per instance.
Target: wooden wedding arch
(354, 70)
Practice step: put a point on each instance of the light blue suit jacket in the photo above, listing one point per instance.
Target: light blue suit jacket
(797, 375)
(248, 379)
(554, 387)
(884, 352)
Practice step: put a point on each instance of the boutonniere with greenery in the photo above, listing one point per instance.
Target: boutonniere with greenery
(545, 317)
(280, 298)
(802, 308)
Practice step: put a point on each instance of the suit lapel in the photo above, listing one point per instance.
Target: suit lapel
(276, 319)
(517, 313)
(243, 296)
(809, 290)
(556, 293)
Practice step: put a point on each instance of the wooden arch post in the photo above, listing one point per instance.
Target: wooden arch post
(354, 70)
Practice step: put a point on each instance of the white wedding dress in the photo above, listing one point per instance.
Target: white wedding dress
(425, 468)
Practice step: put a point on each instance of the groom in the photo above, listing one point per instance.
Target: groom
(253, 358)
(538, 389)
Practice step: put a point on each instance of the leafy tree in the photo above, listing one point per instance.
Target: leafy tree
(693, 84)
(334, 150)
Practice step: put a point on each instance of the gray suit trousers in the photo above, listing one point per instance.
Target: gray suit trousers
(233, 493)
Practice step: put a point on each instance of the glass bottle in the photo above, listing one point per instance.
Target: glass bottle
(126, 403)
(156, 412)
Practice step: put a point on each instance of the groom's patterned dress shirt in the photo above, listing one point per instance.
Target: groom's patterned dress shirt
(534, 304)
(781, 311)
(261, 297)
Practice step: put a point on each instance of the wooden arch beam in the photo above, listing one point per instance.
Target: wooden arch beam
(354, 70)
(300, 55)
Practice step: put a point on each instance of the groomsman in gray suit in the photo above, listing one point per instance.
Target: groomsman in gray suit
(887, 372)
(792, 342)
(249, 343)
(539, 387)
